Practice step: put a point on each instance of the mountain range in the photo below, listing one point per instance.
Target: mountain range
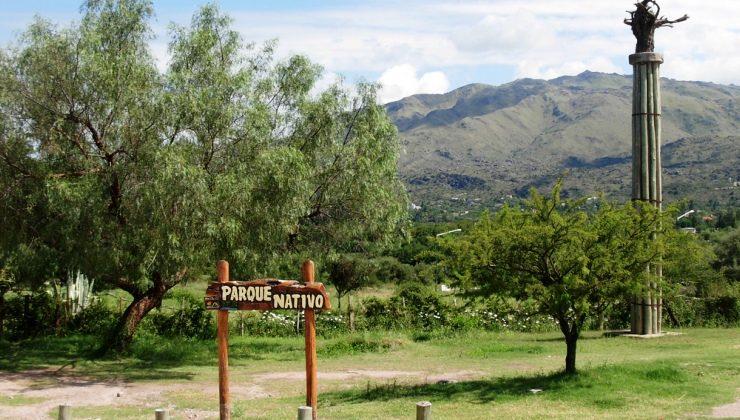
(479, 145)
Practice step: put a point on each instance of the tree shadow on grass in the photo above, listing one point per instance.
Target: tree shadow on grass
(479, 391)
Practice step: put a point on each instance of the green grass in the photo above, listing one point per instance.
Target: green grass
(619, 377)
(14, 401)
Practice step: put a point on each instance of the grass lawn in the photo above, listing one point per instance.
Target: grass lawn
(383, 375)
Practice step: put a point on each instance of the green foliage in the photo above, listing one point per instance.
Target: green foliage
(572, 263)
(141, 180)
(390, 270)
(348, 274)
(728, 255)
(270, 324)
(687, 265)
(720, 311)
(30, 315)
(96, 319)
(414, 307)
(190, 320)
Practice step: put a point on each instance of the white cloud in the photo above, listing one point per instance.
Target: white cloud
(534, 38)
(539, 70)
(401, 81)
(519, 31)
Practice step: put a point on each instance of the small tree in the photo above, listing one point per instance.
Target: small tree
(348, 274)
(566, 259)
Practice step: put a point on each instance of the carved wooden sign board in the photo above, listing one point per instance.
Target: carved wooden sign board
(265, 295)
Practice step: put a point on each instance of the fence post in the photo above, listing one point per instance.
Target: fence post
(65, 412)
(305, 412)
(424, 410)
(161, 414)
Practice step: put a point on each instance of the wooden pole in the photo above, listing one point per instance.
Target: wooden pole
(635, 135)
(646, 173)
(424, 410)
(161, 414)
(65, 412)
(659, 193)
(223, 349)
(312, 392)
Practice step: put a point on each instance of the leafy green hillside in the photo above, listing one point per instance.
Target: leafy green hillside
(480, 143)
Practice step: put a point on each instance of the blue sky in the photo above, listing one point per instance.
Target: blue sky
(434, 46)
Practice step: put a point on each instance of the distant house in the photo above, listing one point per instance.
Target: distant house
(688, 229)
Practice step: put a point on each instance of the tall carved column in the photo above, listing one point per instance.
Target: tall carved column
(647, 314)
(646, 172)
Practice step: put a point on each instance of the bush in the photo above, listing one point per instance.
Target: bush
(423, 310)
(719, 311)
(383, 314)
(416, 307)
(391, 271)
(512, 315)
(96, 319)
(271, 324)
(329, 324)
(191, 320)
(31, 316)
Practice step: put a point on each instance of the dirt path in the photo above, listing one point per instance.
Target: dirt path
(48, 389)
(731, 410)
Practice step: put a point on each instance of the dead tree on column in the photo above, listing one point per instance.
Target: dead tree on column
(644, 22)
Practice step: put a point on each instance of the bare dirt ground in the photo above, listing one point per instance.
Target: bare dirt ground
(727, 411)
(49, 389)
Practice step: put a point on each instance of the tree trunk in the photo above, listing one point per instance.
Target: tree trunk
(672, 315)
(571, 332)
(351, 313)
(123, 333)
(570, 355)
(2, 312)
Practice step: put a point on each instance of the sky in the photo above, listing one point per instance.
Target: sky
(434, 46)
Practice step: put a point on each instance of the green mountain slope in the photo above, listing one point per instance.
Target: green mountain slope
(479, 143)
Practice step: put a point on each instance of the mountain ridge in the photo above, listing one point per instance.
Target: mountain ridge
(486, 141)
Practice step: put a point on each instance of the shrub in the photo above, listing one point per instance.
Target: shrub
(414, 307)
(191, 320)
(96, 319)
(271, 324)
(31, 316)
(719, 311)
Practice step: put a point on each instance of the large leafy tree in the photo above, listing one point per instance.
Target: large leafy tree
(568, 260)
(139, 179)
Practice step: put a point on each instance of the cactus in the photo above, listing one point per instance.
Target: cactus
(79, 292)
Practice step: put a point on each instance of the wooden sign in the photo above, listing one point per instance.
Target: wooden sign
(265, 295)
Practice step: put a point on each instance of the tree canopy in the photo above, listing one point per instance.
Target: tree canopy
(570, 261)
(140, 179)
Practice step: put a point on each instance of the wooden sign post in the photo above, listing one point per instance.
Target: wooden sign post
(224, 405)
(263, 295)
(312, 392)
